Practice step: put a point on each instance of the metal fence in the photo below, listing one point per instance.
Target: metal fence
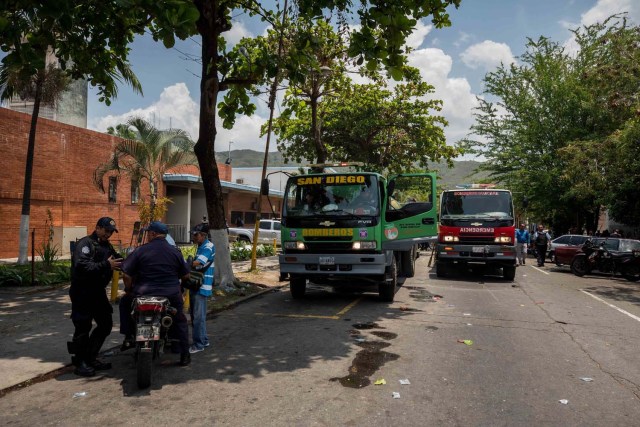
(179, 232)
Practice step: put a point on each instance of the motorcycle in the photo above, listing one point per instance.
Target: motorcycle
(153, 317)
(591, 257)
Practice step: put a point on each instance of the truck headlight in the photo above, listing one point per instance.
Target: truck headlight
(363, 245)
(503, 239)
(450, 238)
(295, 245)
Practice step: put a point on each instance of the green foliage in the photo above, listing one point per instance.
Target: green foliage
(58, 272)
(188, 251)
(557, 130)
(48, 252)
(146, 157)
(241, 251)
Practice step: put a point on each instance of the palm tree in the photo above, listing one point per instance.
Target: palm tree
(147, 156)
(45, 87)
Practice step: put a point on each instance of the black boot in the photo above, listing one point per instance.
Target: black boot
(99, 365)
(185, 359)
(128, 343)
(84, 370)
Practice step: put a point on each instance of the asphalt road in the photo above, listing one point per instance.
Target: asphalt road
(279, 362)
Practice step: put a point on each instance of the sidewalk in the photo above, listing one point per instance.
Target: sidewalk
(35, 327)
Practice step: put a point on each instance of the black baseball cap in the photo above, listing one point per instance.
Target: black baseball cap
(107, 223)
(203, 227)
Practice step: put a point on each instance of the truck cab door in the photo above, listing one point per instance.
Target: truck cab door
(410, 211)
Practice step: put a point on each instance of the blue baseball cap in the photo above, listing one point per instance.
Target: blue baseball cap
(107, 223)
(157, 227)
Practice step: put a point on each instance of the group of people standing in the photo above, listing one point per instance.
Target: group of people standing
(156, 268)
(540, 239)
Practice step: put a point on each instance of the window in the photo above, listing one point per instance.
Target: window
(265, 225)
(113, 188)
(135, 192)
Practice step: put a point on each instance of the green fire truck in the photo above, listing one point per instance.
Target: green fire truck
(352, 229)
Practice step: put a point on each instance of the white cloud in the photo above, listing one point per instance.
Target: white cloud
(462, 39)
(605, 8)
(487, 55)
(416, 38)
(236, 33)
(458, 99)
(177, 109)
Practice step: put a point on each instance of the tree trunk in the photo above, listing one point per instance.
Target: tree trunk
(26, 193)
(209, 28)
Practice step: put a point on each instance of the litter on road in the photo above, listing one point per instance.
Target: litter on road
(586, 379)
(563, 401)
(395, 395)
(467, 342)
(79, 394)
(404, 382)
(381, 381)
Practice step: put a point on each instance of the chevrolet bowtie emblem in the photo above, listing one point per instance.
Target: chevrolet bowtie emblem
(327, 223)
(476, 224)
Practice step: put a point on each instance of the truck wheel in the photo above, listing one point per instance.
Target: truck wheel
(441, 269)
(244, 239)
(297, 286)
(632, 273)
(509, 272)
(387, 289)
(408, 261)
(579, 265)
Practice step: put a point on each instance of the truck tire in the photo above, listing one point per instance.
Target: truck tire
(441, 269)
(298, 287)
(632, 272)
(408, 262)
(509, 272)
(244, 239)
(579, 265)
(387, 288)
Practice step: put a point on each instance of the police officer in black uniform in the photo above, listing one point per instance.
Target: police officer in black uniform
(92, 265)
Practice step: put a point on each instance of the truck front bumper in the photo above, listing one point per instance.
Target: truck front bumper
(333, 264)
(476, 254)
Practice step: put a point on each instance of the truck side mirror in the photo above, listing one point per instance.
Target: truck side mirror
(264, 187)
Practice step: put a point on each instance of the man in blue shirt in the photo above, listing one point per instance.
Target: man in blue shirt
(522, 240)
(198, 299)
(156, 269)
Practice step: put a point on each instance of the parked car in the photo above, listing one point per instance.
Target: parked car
(564, 254)
(565, 240)
(269, 230)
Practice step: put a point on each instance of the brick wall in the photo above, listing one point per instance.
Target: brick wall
(64, 161)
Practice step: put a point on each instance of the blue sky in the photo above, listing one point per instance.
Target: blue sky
(454, 60)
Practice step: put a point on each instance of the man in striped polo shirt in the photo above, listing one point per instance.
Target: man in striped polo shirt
(198, 299)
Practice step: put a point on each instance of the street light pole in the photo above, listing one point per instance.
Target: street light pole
(272, 101)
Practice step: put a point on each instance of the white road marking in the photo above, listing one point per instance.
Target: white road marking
(540, 270)
(634, 317)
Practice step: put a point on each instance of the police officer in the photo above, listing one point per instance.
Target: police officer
(156, 269)
(92, 264)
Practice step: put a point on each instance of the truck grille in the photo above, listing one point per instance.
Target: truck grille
(477, 239)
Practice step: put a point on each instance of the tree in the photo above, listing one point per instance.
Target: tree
(147, 156)
(372, 124)
(38, 34)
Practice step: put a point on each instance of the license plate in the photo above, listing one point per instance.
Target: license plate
(327, 260)
(478, 249)
(144, 333)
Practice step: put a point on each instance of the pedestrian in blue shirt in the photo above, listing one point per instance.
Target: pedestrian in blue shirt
(522, 241)
(198, 299)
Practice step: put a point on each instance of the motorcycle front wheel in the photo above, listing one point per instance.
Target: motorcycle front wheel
(144, 365)
(579, 266)
(632, 272)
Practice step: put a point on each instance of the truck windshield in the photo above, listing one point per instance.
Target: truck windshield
(335, 194)
(477, 204)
